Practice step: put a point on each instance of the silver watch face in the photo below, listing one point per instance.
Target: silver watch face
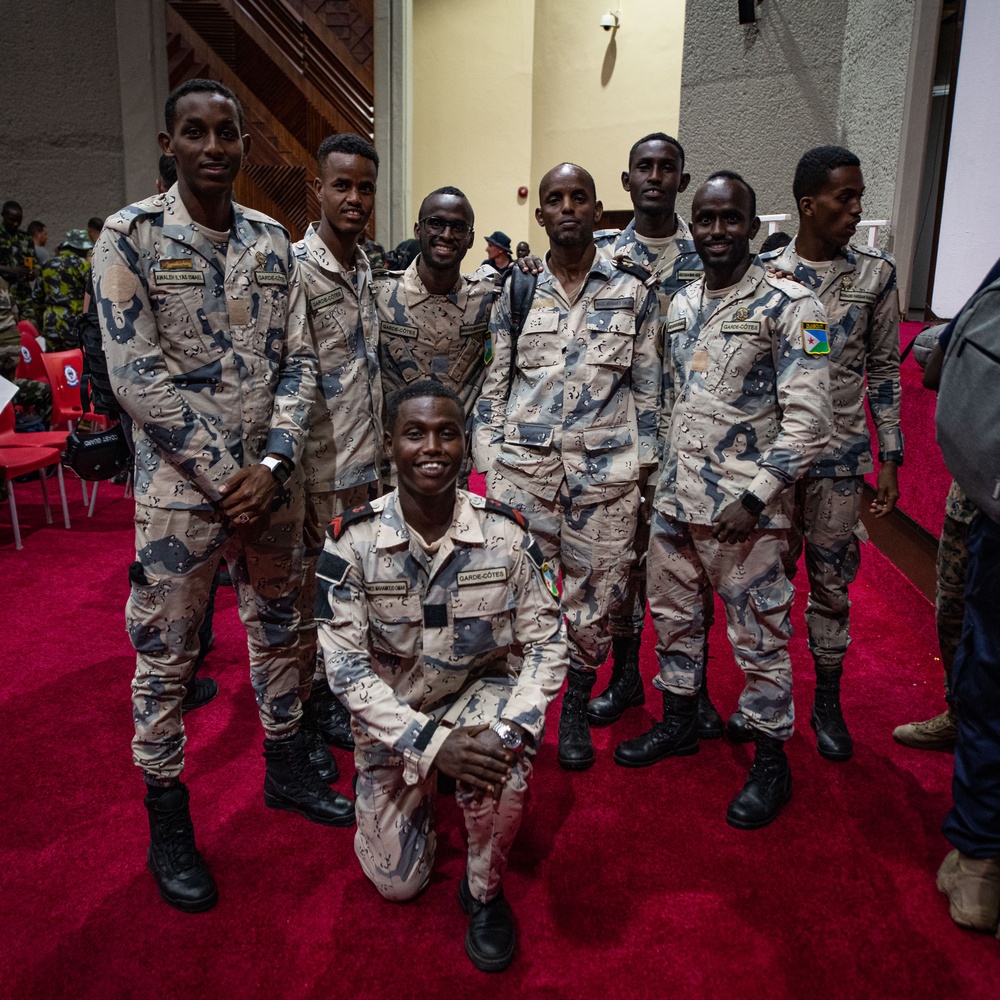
(509, 736)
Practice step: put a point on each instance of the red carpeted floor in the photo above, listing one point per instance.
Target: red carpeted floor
(624, 883)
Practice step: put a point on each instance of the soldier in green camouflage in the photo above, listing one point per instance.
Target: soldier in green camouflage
(17, 258)
(58, 293)
(33, 398)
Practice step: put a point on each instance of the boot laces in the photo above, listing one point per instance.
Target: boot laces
(177, 841)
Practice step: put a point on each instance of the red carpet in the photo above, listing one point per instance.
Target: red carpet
(624, 883)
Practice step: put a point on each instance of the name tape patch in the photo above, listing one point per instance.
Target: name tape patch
(623, 303)
(814, 338)
(495, 574)
(742, 326)
(676, 326)
(868, 298)
(270, 277)
(688, 275)
(473, 329)
(179, 277)
(398, 330)
(387, 588)
(175, 263)
(326, 299)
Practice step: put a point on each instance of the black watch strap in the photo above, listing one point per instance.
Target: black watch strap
(752, 503)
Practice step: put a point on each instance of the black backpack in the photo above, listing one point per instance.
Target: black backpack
(95, 381)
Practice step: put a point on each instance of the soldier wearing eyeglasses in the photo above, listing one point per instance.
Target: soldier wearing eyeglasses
(433, 320)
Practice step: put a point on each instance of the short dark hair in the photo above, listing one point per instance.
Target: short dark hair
(448, 189)
(774, 241)
(814, 168)
(198, 86)
(35, 227)
(731, 175)
(656, 137)
(420, 390)
(11, 206)
(168, 171)
(350, 143)
(95, 222)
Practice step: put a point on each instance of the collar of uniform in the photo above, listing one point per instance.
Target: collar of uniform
(325, 259)
(392, 530)
(601, 267)
(181, 228)
(844, 262)
(746, 288)
(415, 291)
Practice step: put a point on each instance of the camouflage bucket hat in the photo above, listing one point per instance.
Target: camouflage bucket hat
(77, 239)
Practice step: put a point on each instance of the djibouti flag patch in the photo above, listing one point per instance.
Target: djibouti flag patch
(488, 349)
(814, 338)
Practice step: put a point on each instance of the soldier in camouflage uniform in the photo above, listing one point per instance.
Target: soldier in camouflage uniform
(17, 258)
(566, 426)
(59, 290)
(343, 450)
(33, 398)
(217, 375)
(423, 595)
(658, 241)
(746, 409)
(433, 320)
(857, 287)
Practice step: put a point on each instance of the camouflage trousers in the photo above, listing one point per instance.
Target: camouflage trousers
(826, 522)
(592, 546)
(177, 553)
(32, 396)
(628, 618)
(684, 563)
(949, 594)
(320, 510)
(395, 839)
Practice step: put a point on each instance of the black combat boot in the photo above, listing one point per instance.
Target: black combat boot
(181, 875)
(576, 750)
(333, 721)
(490, 939)
(768, 787)
(675, 736)
(738, 728)
(319, 753)
(625, 688)
(291, 782)
(200, 692)
(833, 741)
(709, 721)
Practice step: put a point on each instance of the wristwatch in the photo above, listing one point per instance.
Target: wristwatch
(279, 470)
(752, 503)
(509, 736)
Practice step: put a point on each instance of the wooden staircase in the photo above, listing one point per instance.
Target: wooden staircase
(302, 70)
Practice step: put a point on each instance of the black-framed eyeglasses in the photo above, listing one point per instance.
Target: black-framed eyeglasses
(436, 226)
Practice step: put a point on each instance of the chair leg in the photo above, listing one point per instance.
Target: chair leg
(93, 498)
(83, 486)
(13, 515)
(62, 495)
(45, 496)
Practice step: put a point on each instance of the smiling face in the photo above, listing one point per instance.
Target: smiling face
(834, 213)
(427, 444)
(206, 144)
(654, 178)
(722, 226)
(444, 250)
(346, 190)
(568, 209)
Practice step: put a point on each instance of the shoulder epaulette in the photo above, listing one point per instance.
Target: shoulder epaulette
(496, 507)
(252, 215)
(123, 220)
(792, 288)
(867, 251)
(626, 265)
(363, 512)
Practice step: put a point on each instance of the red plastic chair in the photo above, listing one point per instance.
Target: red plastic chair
(11, 438)
(19, 462)
(30, 365)
(64, 370)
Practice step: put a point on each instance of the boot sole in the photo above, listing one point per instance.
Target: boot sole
(682, 752)
(946, 746)
(831, 754)
(962, 919)
(576, 765)
(185, 906)
(275, 803)
(715, 733)
(740, 825)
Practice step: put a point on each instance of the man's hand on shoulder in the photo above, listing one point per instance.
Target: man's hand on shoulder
(475, 755)
(530, 264)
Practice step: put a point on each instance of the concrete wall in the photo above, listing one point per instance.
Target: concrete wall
(504, 91)
(970, 213)
(808, 73)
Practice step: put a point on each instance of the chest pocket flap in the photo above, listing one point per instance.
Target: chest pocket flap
(539, 344)
(481, 617)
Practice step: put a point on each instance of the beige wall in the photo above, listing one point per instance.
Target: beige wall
(502, 91)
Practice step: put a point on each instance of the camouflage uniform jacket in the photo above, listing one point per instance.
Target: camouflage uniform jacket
(58, 299)
(745, 406)
(858, 293)
(344, 445)
(585, 391)
(443, 337)
(215, 371)
(405, 633)
(678, 265)
(15, 249)
(10, 336)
